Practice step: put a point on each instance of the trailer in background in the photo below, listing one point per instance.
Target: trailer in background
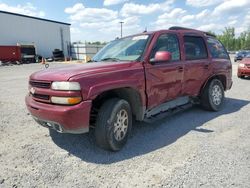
(10, 54)
(84, 51)
(28, 53)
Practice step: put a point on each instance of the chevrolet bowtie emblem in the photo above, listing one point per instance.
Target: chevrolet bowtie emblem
(32, 91)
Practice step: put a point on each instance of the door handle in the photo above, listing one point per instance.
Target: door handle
(206, 66)
(180, 69)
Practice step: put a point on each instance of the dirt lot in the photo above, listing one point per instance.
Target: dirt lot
(194, 148)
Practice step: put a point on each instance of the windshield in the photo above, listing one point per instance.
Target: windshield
(125, 49)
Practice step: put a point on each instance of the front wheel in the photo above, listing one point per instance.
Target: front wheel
(212, 97)
(113, 124)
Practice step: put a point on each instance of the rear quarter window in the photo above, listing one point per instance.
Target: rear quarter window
(216, 49)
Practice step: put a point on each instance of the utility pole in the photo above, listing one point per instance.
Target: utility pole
(121, 27)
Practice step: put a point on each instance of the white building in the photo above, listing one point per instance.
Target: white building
(46, 35)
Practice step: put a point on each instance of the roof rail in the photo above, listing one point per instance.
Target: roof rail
(184, 28)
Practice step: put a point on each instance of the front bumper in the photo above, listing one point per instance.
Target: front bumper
(64, 119)
(243, 72)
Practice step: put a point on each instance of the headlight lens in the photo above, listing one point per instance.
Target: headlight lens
(241, 65)
(66, 86)
(66, 100)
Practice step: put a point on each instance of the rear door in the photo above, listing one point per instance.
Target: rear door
(164, 79)
(197, 65)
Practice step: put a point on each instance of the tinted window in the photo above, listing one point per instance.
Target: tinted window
(195, 48)
(167, 42)
(216, 49)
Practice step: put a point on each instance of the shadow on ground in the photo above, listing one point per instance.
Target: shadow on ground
(145, 138)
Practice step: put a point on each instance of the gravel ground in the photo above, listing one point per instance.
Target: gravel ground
(194, 148)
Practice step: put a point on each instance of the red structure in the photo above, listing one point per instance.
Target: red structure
(10, 53)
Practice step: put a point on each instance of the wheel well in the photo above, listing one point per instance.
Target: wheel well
(222, 78)
(130, 95)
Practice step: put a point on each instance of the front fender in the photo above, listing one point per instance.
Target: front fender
(97, 89)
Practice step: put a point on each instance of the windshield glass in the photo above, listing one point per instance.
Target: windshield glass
(125, 49)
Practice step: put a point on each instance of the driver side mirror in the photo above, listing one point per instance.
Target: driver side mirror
(162, 56)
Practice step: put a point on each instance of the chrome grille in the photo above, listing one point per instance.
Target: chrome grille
(39, 96)
(40, 84)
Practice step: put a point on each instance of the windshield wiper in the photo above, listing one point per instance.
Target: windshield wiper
(110, 59)
(91, 61)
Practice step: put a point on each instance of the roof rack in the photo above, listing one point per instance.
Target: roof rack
(179, 28)
(184, 28)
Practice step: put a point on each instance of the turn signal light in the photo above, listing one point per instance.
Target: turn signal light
(66, 100)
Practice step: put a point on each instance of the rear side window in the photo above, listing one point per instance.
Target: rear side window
(216, 49)
(195, 48)
(167, 42)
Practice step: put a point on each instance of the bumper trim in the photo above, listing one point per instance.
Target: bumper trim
(59, 128)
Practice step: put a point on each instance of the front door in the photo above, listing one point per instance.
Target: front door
(164, 79)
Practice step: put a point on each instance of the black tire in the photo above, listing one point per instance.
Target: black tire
(208, 101)
(241, 77)
(105, 124)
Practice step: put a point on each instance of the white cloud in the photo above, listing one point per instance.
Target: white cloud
(103, 23)
(180, 17)
(80, 13)
(77, 7)
(203, 14)
(129, 9)
(113, 2)
(210, 27)
(231, 7)
(99, 23)
(169, 19)
(202, 3)
(26, 9)
(245, 25)
(175, 13)
(187, 18)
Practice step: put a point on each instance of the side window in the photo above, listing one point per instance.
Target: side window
(216, 49)
(167, 42)
(195, 48)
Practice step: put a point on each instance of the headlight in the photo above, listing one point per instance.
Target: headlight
(66, 100)
(66, 86)
(241, 65)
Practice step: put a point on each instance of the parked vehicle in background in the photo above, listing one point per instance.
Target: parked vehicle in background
(141, 77)
(28, 53)
(240, 55)
(244, 67)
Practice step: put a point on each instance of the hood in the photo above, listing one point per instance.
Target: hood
(246, 60)
(65, 73)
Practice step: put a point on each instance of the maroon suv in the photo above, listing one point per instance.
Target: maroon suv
(143, 76)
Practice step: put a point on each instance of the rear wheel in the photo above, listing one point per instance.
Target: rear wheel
(212, 97)
(241, 77)
(113, 124)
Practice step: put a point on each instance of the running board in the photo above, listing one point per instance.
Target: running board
(169, 112)
(168, 105)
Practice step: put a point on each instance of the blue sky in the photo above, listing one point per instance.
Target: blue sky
(94, 20)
